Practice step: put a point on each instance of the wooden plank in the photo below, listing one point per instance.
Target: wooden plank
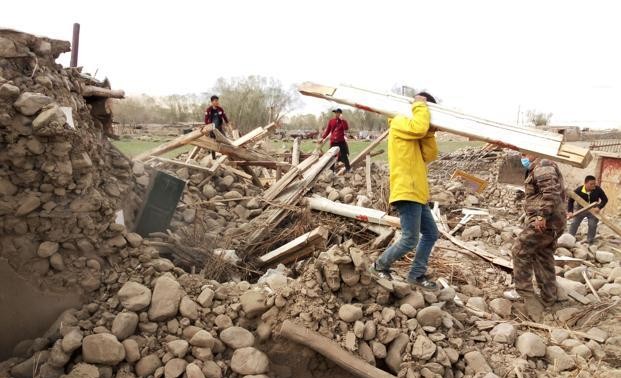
(254, 135)
(318, 236)
(474, 183)
(295, 152)
(216, 163)
(541, 143)
(192, 154)
(287, 178)
(331, 350)
(584, 210)
(93, 91)
(367, 171)
(366, 151)
(182, 164)
(604, 219)
(175, 143)
(291, 194)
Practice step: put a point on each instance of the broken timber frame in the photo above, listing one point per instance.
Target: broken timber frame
(604, 219)
(331, 350)
(289, 194)
(175, 143)
(299, 247)
(541, 143)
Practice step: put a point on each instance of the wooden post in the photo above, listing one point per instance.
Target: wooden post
(369, 178)
(331, 350)
(367, 150)
(297, 248)
(295, 152)
(192, 154)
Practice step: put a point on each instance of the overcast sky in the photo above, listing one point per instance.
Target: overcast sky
(487, 58)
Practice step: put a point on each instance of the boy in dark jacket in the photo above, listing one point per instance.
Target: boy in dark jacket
(591, 193)
(215, 114)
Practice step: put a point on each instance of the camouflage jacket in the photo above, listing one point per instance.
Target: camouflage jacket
(545, 192)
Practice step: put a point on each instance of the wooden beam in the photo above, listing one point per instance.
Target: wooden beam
(93, 91)
(297, 248)
(295, 152)
(366, 151)
(254, 135)
(541, 143)
(369, 179)
(192, 154)
(280, 185)
(604, 219)
(182, 164)
(331, 350)
(175, 143)
(584, 210)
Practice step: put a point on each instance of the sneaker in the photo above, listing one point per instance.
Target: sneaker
(424, 283)
(379, 274)
(512, 295)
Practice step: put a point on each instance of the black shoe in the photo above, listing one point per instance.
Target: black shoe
(424, 283)
(379, 274)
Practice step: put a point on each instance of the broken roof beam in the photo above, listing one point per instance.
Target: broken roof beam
(180, 141)
(541, 143)
(254, 135)
(93, 91)
(297, 248)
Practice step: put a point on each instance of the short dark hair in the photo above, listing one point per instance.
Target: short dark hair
(589, 178)
(429, 97)
(214, 97)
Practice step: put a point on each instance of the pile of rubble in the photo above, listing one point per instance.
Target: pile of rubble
(61, 182)
(147, 314)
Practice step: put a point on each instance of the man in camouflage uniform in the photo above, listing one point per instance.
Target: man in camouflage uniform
(545, 222)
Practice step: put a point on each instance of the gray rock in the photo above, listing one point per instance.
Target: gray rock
(178, 348)
(124, 325)
(28, 205)
(148, 365)
(604, 257)
(395, 351)
(102, 348)
(211, 370)
(350, 313)
(174, 368)
(566, 313)
(378, 349)
(566, 241)
(47, 249)
(205, 299)
(575, 274)
(167, 294)
(8, 91)
(202, 339)
(477, 303)
(558, 335)
(531, 345)
(408, 310)
(82, 370)
(237, 337)
(472, 232)
(49, 122)
(582, 351)
(503, 333)
(610, 289)
(72, 341)
(194, 371)
(560, 360)
(476, 361)
(134, 239)
(6, 187)
(28, 103)
(248, 361)
(188, 308)
(415, 299)
(447, 294)
(134, 296)
(57, 262)
(501, 306)
(430, 316)
(614, 274)
(132, 351)
(423, 348)
(253, 303)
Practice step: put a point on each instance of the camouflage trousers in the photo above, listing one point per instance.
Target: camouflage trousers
(534, 252)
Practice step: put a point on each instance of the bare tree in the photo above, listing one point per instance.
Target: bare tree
(536, 118)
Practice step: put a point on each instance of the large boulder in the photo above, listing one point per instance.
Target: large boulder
(167, 294)
(102, 348)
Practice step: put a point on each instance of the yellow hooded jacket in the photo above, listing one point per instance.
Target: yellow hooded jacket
(410, 147)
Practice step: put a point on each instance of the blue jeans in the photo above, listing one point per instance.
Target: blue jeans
(416, 219)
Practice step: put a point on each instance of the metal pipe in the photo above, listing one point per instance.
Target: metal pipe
(75, 45)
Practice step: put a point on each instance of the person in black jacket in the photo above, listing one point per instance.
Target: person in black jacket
(591, 193)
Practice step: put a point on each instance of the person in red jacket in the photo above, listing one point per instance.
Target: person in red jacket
(215, 114)
(336, 129)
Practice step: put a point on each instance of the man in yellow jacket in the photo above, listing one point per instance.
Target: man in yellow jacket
(411, 145)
